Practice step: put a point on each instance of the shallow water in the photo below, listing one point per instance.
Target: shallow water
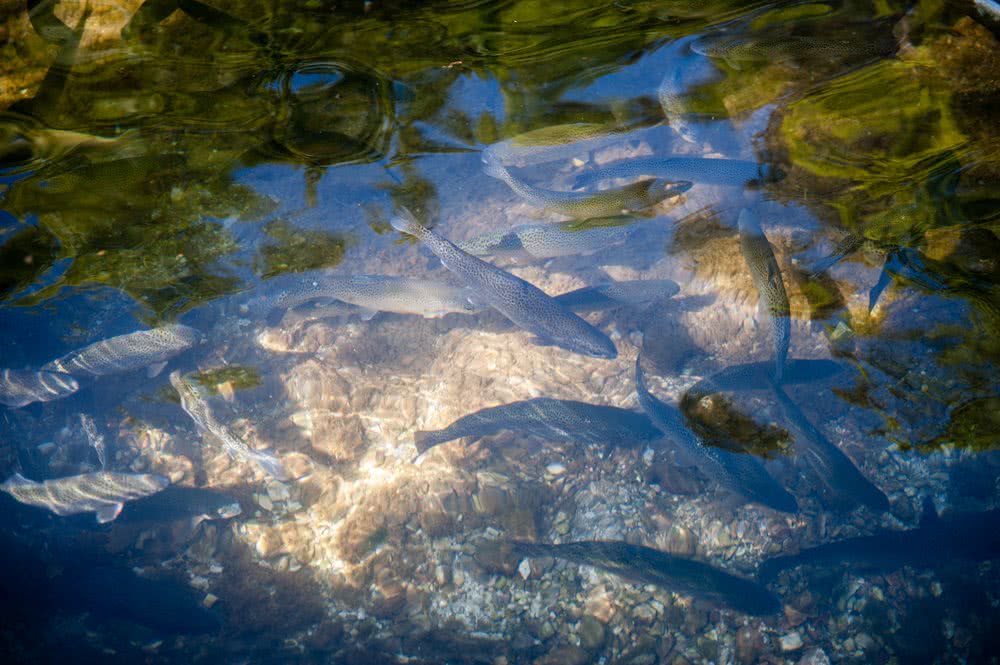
(212, 165)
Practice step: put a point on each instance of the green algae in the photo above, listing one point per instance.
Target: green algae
(297, 250)
(239, 377)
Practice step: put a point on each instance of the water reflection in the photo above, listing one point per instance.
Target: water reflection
(767, 337)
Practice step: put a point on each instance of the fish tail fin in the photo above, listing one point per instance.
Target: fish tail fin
(405, 222)
(109, 512)
(424, 441)
(272, 465)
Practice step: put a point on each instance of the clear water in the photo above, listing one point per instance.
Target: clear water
(193, 164)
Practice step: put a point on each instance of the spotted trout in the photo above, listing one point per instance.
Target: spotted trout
(19, 387)
(103, 493)
(195, 404)
(522, 303)
(123, 353)
(580, 205)
(645, 565)
(767, 279)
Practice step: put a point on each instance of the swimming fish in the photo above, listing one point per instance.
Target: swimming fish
(555, 143)
(737, 52)
(834, 468)
(554, 419)
(195, 404)
(767, 279)
(581, 205)
(371, 293)
(757, 376)
(19, 387)
(671, 95)
(524, 304)
(96, 440)
(618, 294)
(645, 565)
(548, 241)
(103, 493)
(143, 348)
(740, 473)
(698, 170)
(934, 542)
(177, 503)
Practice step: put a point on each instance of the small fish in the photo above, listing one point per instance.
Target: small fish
(757, 376)
(96, 440)
(524, 304)
(834, 468)
(618, 294)
(370, 293)
(178, 503)
(548, 241)
(767, 279)
(19, 387)
(698, 170)
(645, 565)
(195, 404)
(580, 205)
(671, 95)
(738, 52)
(103, 493)
(143, 348)
(553, 419)
(934, 542)
(740, 473)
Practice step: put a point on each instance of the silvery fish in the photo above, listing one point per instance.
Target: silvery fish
(19, 387)
(371, 293)
(618, 294)
(648, 566)
(757, 376)
(143, 348)
(103, 493)
(553, 419)
(834, 468)
(671, 95)
(555, 143)
(195, 404)
(547, 241)
(698, 170)
(177, 503)
(579, 205)
(738, 472)
(93, 438)
(767, 279)
(524, 304)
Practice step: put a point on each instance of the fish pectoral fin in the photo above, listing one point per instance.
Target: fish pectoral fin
(154, 369)
(109, 512)
(367, 314)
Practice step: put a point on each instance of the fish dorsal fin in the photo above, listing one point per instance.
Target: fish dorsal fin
(929, 514)
(154, 370)
(109, 512)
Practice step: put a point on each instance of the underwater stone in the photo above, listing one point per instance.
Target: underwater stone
(791, 642)
(591, 632)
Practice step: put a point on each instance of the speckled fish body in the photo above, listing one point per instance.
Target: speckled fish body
(556, 143)
(548, 241)
(143, 348)
(766, 277)
(103, 493)
(648, 566)
(618, 294)
(553, 419)
(375, 293)
(19, 387)
(832, 466)
(698, 170)
(177, 503)
(740, 473)
(522, 303)
(631, 198)
(195, 404)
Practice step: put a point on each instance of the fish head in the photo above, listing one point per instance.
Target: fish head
(492, 165)
(676, 187)
(594, 346)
